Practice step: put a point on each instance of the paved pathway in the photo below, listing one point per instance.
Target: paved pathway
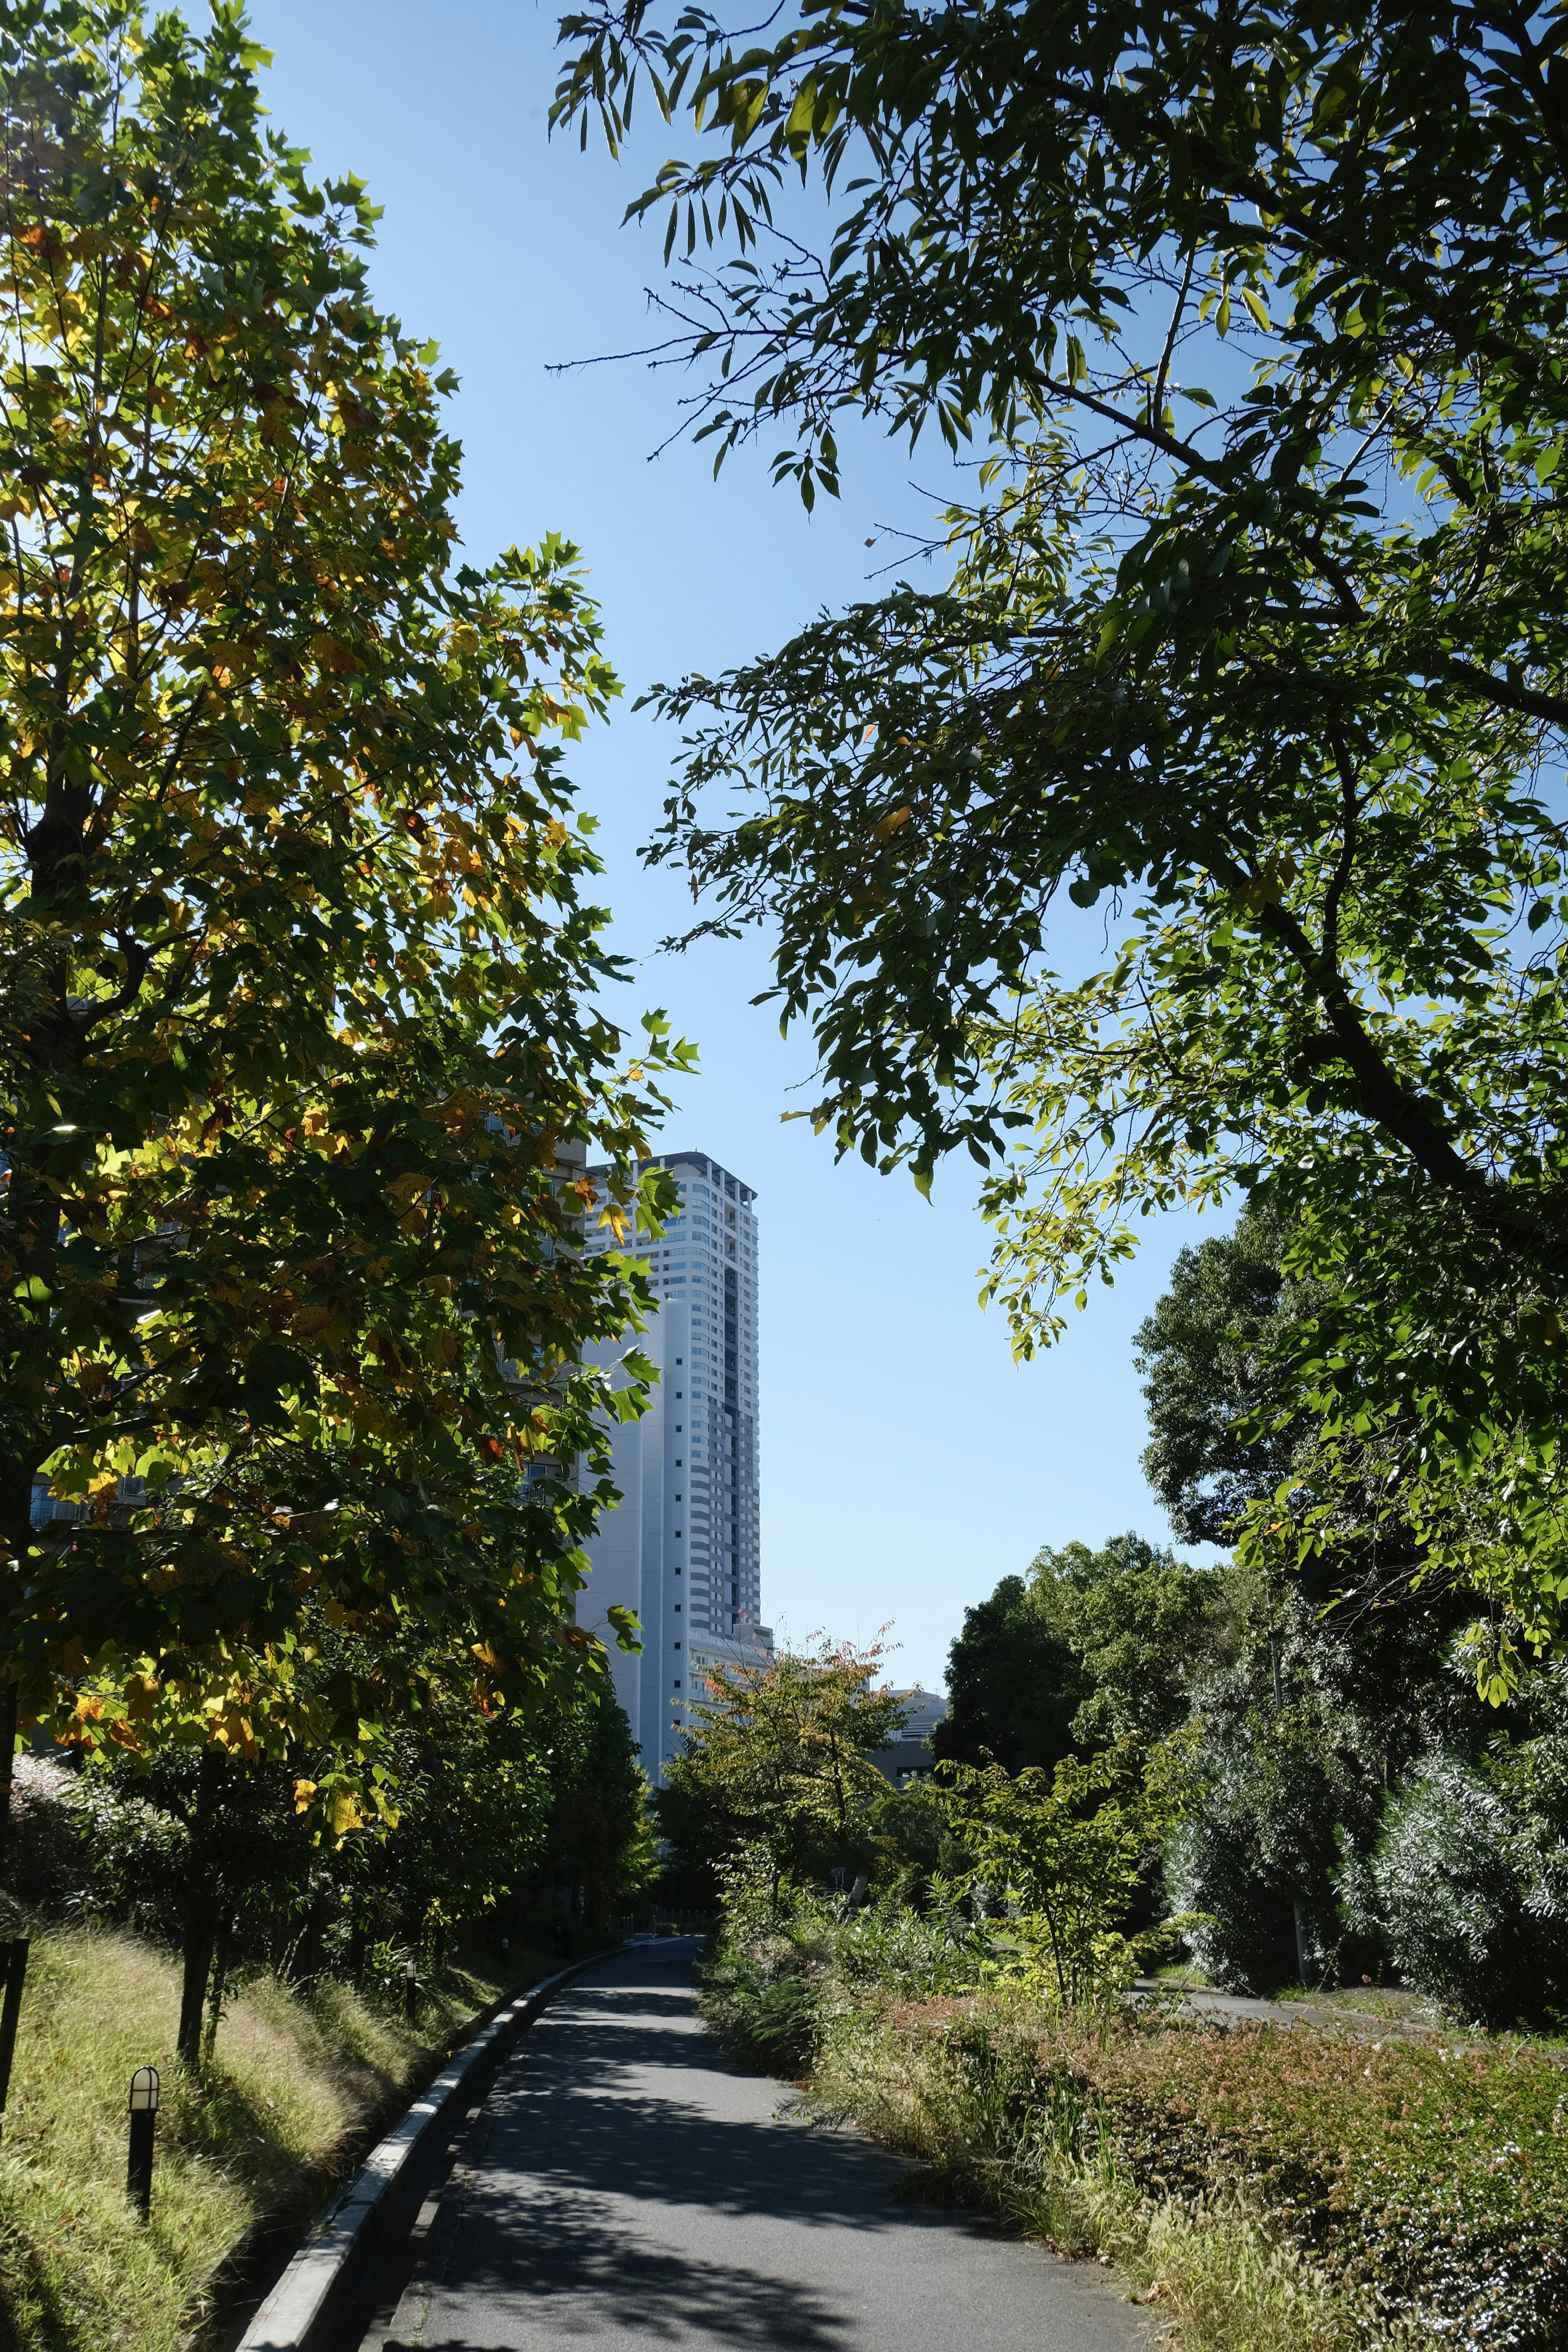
(625, 2186)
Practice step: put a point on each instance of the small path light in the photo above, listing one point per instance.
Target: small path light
(143, 2121)
(410, 1988)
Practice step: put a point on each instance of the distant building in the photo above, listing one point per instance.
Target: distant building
(682, 1549)
(909, 1755)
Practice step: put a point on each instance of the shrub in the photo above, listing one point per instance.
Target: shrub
(764, 2006)
(1453, 1902)
(1424, 2188)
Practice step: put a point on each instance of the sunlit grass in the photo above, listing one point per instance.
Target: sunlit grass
(295, 2076)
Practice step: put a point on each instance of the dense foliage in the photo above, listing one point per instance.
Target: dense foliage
(300, 1063)
(1252, 317)
(500, 1825)
(1094, 1646)
(1284, 2188)
(1357, 1811)
(1424, 2187)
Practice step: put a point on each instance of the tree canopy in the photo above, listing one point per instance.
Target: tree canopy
(779, 1758)
(301, 1066)
(1095, 1646)
(1252, 318)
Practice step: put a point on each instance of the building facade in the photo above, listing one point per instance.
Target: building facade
(912, 1755)
(683, 1547)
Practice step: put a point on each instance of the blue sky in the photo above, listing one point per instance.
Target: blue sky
(907, 1462)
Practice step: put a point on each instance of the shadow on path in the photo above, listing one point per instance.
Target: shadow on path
(628, 2187)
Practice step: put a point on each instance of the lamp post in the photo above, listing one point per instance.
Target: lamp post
(143, 2121)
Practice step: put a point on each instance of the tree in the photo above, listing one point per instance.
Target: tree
(1227, 1432)
(1255, 627)
(1068, 1852)
(1140, 1623)
(1218, 1353)
(1014, 1684)
(1095, 1647)
(599, 1842)
(1319, 1693)
(300, 1062)
(780, 1757)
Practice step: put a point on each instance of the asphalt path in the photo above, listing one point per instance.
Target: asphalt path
(625, 2185)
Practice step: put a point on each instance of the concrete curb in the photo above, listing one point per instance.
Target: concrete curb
(384, 2193)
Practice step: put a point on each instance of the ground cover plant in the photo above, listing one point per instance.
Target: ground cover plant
(1346, 2185)
(1319, 2187)
(1425, 2182)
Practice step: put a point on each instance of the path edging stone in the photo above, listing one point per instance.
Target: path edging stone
(383, 2196)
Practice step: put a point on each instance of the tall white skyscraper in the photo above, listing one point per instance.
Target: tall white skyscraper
(682, 1549)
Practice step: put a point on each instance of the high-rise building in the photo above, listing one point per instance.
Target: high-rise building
(682, 1549)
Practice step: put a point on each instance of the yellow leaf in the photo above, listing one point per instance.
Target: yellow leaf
(344, 1814)
(891, 823)
(141, 1698)
(334, 656)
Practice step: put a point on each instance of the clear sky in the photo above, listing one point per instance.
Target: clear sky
(907, 1462)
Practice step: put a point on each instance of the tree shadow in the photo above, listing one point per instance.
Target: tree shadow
(578, 2277)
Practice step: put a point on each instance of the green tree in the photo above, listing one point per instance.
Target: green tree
(1015, 1683)
(1067, 1853)
(300, 1069)
(1217, 1354)
(1139, 1624)
(599, 1841)
(1093, 1648)
(1319, 1695)
(780, 1758)
(1255, 626)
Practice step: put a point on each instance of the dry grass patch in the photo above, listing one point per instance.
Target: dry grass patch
(296, 2077)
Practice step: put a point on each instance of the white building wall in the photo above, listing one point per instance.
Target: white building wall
(688, 1471)
(616, 1580)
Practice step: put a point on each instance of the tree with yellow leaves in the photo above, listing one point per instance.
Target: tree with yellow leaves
(298, 1069)
(780, 1758)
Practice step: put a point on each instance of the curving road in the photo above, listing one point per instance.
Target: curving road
(625, 2186)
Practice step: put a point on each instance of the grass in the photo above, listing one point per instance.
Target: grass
(297, 2078)
(1389, 2004)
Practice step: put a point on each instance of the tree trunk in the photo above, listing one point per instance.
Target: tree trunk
(304, 1956)
(222, 1947)
(1299, 1920)
(10, 1706)
(201, 1914)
